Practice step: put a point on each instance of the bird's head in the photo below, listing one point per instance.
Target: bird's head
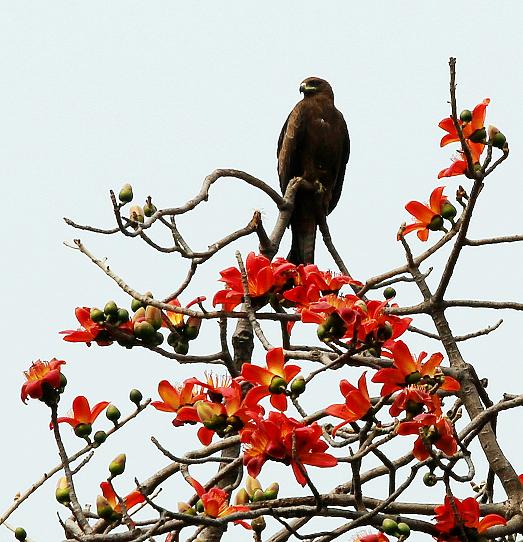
(314, 86)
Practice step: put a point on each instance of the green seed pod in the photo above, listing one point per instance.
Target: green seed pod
(389, 526)
(135, 396)
(389, 292)
(111, 308)
(117, 465)
(113, 414)
(83, 430)
(126, 193)
(97, 315)
(466, 115)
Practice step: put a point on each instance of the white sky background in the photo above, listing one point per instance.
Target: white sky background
(159, 94)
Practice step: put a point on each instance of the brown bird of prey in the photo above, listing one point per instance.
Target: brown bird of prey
(314, 145)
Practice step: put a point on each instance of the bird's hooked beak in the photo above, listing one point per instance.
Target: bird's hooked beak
(306, 89)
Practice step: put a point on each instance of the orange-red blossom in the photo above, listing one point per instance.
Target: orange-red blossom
(215, 502)
(357, 403)
(286, 440)
(472, 132)
(428, 218)
(110, 499)
(41, 374)
(82, 412)
(456, 515)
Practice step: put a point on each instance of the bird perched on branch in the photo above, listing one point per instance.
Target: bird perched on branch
(314, 145)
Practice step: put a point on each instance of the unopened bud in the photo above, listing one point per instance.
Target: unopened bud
(100, 437)
(135, 305)
(298, 385)
(251, 485)
(20, 534)
(97, 315)
(122, 315)
(389, 292)
(429, 479)
(403, 530)
(258, 495)
(112, 413)
(448, 211)
(117, 465)
(111, 308)
(181, 347)
(103, 508)
(271, 492)
(135, 396)
(192, 328)
(498, 139)
(62, 492)
(389, 526)
(126, 193)
(153, 315)
(144, 330)
(466, 115)
(149, 208)
(242, 497)
(258, 524)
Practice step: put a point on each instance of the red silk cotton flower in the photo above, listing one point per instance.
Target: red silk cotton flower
(176, 398)
(407, 370)
(272, 380)
(286, 440)
(428, 218)
(41, 374)
(357, 403)
(474, 134)
(215, 502)
(83, 415)
(131, 500)
(455, 515)
(432, 430)
(260, 279)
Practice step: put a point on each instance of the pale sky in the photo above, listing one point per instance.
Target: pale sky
(159, 94)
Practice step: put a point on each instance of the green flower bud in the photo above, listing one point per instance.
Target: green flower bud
(126, 193)
(144, 330)
(389, 526)
(448, 211)
(20, 534)
(403, 529)
(83, 430)
(436, 223)
(111, 308)
(199, 506)
(466, 115)
(97, 315)
(113, 414)
(149, 208)
(103, 508)
(123, 315)
(258, 495)
(479, 135)
(181, 347)
(135, 396)
(499, 140)
(271, 492)
(429, 479)
(298, 385)
(251, 485)
(117, 465)
(389, 292)
(135, 305)
(62, 492)
(100, 437)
